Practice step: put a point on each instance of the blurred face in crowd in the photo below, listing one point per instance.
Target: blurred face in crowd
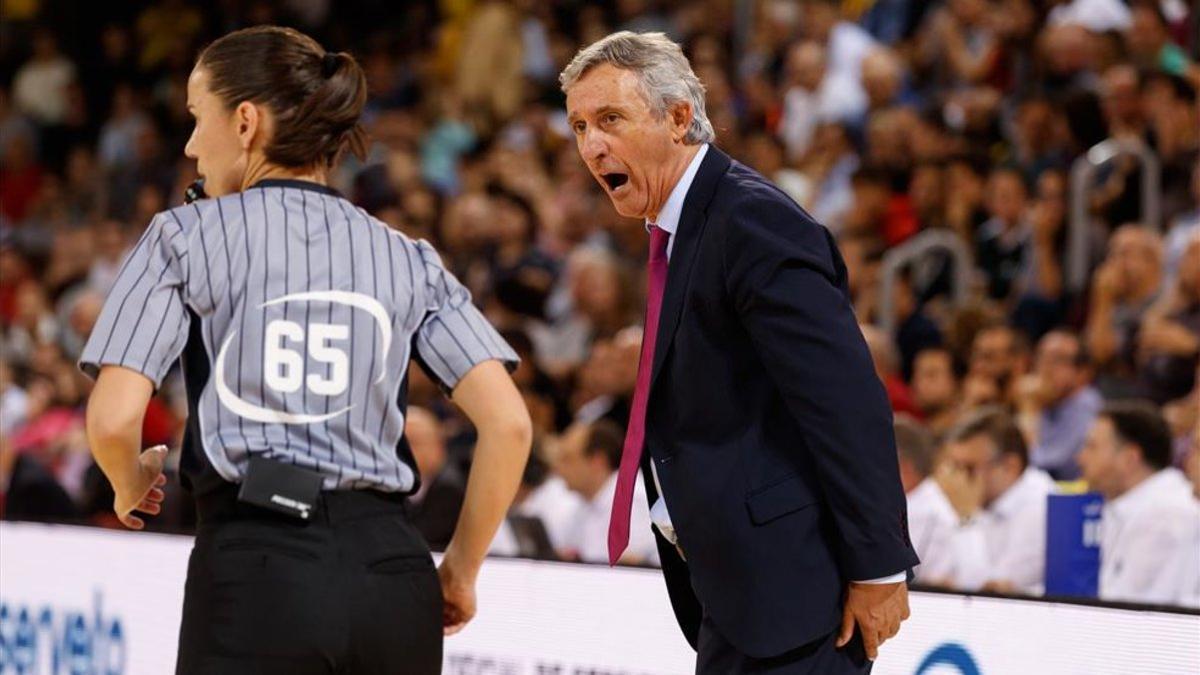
(1006, 196)
(993, 353)
(1105, 461)
(1146, 34)
(934, 386)
(881, 77)
(1057, 365)
(978, 457)
(806, 64)
(581, 472)
(636, 154)
(1136, 253)
(1119, 96)
(222, 138)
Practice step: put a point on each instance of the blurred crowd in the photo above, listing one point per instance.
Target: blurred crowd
(891, 121)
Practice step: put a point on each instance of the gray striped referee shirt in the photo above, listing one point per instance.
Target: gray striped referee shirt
(297, 315)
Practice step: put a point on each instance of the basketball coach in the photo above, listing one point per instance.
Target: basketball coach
(758, 423)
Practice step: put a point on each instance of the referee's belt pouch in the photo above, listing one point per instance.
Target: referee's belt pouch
(283, 488)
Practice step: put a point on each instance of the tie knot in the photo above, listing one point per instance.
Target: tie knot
(659, 238)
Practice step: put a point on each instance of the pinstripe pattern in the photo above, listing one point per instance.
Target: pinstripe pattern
(258, 263)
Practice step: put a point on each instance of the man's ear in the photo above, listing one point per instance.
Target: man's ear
(681, 119)
(249, 123)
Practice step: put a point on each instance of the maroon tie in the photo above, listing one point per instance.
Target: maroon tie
(635, 435)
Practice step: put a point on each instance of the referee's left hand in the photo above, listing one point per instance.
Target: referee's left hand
(458, 594)
(141, 488)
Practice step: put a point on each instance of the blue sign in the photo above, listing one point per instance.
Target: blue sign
(50, 639)
(1073, 544)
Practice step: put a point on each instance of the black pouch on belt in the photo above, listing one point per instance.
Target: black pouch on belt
(283, 488)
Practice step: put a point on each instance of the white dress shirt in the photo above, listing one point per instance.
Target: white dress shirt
(668, 221)
(932, 523)
(555, 504)
(1150, 542)
(1007, 540)
(587, 535)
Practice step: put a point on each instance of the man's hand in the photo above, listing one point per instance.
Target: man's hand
(458, 592)
(963, 489)
(140, 489)
(878, 610)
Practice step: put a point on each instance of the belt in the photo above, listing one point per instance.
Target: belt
(333, 506)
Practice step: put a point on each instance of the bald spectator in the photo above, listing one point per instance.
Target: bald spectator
(435, 507)
(1124, 287)
(999, 543)
(931, 518)
(1150, 532)
(587, 459)
(805, 102)
(935, 389)
(1057, 404)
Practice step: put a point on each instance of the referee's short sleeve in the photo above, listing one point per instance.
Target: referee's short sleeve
(144, 323)
(454, 336)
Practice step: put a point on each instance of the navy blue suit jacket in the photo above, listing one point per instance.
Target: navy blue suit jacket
(771, 433)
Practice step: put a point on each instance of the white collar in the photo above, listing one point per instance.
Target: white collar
(1033, 483)
(1163, 485)
(672, 210)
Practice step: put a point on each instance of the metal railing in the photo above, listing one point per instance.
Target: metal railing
(1082, 172)
(912, 251)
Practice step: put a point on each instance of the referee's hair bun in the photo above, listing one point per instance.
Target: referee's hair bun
(315, 96)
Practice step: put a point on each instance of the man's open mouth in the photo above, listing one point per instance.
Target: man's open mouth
(615, 180)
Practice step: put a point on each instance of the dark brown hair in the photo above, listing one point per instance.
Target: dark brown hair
(316, 96)
(1140, 423)
(998, 426)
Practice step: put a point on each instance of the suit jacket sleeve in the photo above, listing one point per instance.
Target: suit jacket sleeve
(788, 285)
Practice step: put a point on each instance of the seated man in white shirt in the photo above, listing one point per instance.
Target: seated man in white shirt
(999, 542)
(931, 518)
(587, 457)
(1150, 528)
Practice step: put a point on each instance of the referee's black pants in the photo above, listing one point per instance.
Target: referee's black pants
(353, 590)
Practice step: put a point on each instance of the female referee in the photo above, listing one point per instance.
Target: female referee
(295, 315)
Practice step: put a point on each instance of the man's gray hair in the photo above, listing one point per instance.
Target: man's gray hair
(664, 72)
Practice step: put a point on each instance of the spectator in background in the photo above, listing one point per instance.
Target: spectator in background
(935, 389)
(41, 86)
(434, 508)
(1184, 229)
(1150, 532)
(806, 99)
(1003, 243)
(887, 367)
(999, 355)
(1127, 283)
(587, 459)
(544, 495)
(999, 543)
(1168, 341)
(931, 518)
(1057, 404)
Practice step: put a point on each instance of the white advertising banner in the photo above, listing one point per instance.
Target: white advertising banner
(78, 600)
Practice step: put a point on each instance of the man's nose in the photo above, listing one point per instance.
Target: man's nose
(593, 146)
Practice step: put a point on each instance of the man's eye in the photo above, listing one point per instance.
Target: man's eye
(610, 118)
(578, 127)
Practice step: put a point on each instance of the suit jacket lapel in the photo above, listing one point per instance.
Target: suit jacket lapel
(683, 251)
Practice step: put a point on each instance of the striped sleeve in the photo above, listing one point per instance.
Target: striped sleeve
(454, 336)
(144, 323)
